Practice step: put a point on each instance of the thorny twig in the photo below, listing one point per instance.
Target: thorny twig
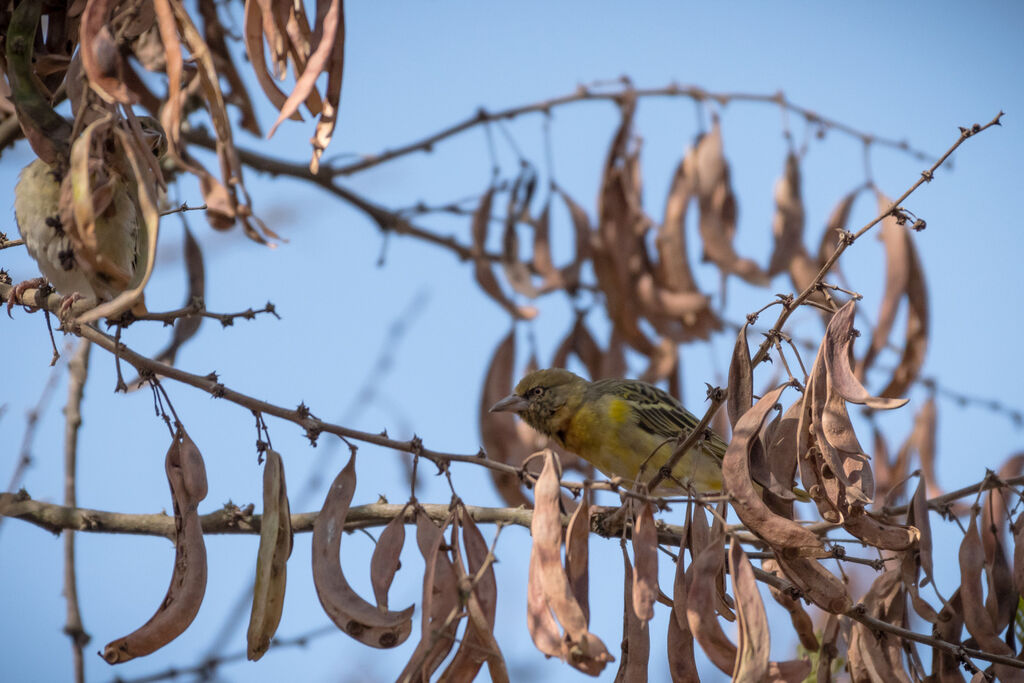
(787, 310)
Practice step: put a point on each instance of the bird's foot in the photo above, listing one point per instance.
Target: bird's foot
(67, 302)
(19, 289)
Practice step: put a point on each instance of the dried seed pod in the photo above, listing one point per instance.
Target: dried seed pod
(271, 559)
(385, 561)
(636, 636)
(549, 589)
(351, 613)
(645, 576)
(186, 475)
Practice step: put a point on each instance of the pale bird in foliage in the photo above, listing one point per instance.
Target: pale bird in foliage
(120, 229)
(625, 428)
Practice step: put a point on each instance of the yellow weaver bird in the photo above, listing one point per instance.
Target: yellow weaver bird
(618, 425)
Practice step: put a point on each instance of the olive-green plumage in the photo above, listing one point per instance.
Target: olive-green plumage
(618, 425)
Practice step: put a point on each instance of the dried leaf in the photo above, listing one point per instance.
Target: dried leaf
(828, 650)
(186, 475)
(271, 559)
(101, 57)
(351, 613)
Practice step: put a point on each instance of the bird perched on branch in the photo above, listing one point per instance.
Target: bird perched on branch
(621, 426)
(103, 263)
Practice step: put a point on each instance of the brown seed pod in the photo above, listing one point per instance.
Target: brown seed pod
(186, 475)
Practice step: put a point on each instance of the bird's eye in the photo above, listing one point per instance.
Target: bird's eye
(537, 391)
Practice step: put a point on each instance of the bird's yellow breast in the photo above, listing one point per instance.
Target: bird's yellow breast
(605, 432)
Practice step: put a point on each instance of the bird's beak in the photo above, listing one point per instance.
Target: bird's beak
(510, 404)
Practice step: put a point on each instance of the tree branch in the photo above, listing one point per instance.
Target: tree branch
(584, 94)
(790, 306)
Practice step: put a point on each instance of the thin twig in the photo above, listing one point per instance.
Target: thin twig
(584, 94)
(787, 310)
(205, 669)
(386, 220)
(78, 370)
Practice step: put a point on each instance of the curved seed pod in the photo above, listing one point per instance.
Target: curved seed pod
(949, 627)
(636, 633)
(499, 431)
(516, 272)
(817, 584)
(780, 532)
(577, 553)
(618, 251)
(837, 221)
(836, 347)
(351, 613)
(271, 559)
(478, 644)
(186, 475)
(788, 221)
(718, 210)
(741, 379)
(879, 533)
(802, 623)
(581, 227)
(921, 556)
(880, 658)
(752, 654)
(542, 263)
(828, 650)
(700, 605)
(681, 663)
(482, 268)
(385, 561)
(976, 617)
(580, 648)
(645, 552)
(440, 600)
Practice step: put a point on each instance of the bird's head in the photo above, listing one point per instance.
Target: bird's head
(544, 398)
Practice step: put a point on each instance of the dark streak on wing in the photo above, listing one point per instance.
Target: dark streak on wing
(658, 412)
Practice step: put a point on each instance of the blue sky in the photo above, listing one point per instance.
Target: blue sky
(899, 70)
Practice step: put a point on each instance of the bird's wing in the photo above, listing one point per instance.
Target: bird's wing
(658, 412)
